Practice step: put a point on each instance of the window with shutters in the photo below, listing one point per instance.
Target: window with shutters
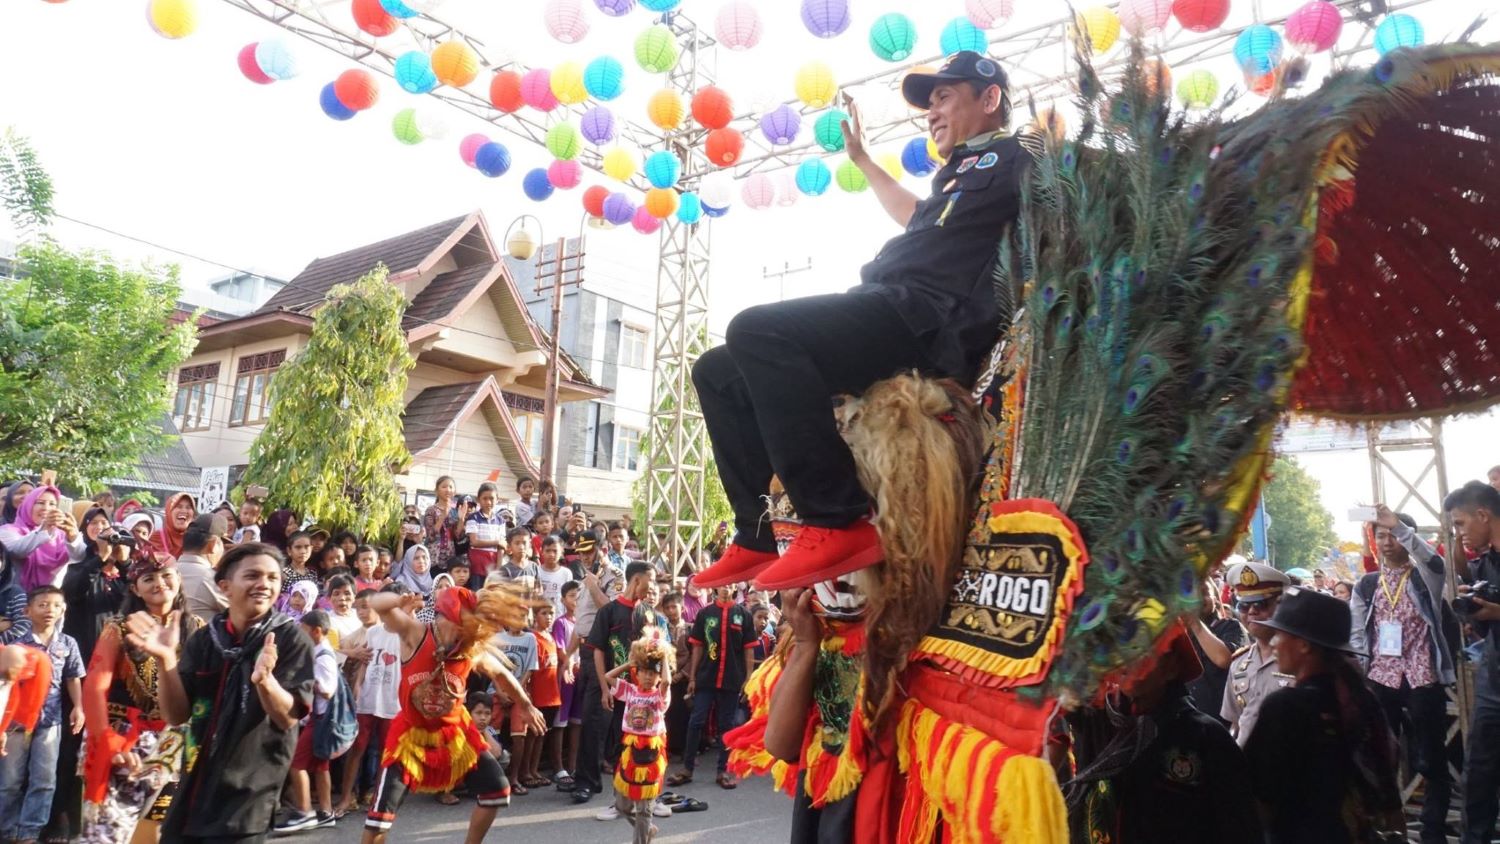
(194, 407)
(252, 388)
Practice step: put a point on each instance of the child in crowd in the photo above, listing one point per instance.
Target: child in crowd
(299, 567)
(482, 711)
(517, 563)
(677, 630)
(303, 598)
(520, 649)
(541, 528)
(485, 529)
(342, 616)
(305, 764)
(551, 575)
(376, 686)
(458, 569)
(366, 558)
(545, 694)
(28, 770)
(643, 684)
(562, 739)
(383, 561)
(765, 634)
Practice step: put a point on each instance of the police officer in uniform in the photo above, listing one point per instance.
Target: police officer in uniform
(1252, 670)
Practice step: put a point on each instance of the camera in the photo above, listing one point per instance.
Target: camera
(116, 537)
(1483, 590)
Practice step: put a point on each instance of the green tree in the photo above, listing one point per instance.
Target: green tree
(87, 349)
(334, 437)
(1301, 530)
(25, 187)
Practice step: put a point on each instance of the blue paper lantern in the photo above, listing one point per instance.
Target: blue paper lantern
(780, 125)
(275, 59)
(689, 208)
(398, 9)
(618, 209)
(414, 72)
(813, 177)
(1395, 31)
(1258, 49)
(598, 125)
(714, 213)
(961, 34)
(914, 158)
(492, 159)
(331, 105)
(663, 169)
(825, 18)
(604, 78)
(660, 5)
(536, 184)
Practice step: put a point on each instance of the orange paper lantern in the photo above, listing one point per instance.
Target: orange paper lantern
(593, 200)
(455, 63)
(505, 91)
(712, 108)
(661, 203)
(724, 146)
(357, 89)
(665, 109)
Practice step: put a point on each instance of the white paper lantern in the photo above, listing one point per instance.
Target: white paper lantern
(759, 191)
(431, 124)
(1144, 17)
(717, 191)
(566, 20)
(988, 14)
(738, 25)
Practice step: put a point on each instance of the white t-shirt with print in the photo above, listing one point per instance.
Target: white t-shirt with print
(380, 694)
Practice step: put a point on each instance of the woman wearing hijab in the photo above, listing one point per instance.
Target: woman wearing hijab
(178, 514)
(95, 588)
(43, 541)
(14, 494)
(278, 528)
(415, 570)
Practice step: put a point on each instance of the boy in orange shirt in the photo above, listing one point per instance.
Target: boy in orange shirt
(545, 692)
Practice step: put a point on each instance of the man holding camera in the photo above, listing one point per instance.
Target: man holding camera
(1474, 511)
(1397, 622)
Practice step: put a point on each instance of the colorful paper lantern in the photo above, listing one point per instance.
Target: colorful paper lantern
(663, 169)
(1144, 17)
(1262, 84)
(1201, 15)
(618, 209)
(893, 36)
(398, 9)
(850, 178)
(615, 8)
(250, 68)
(620, 163)
(593, 200)
(598, 125)
(932, 151)
(644, 222)
(564, 141)
(413, 72)
(914, 158)
(1398, 30)
(173, 18)
(1156, 75)
(564, 175)
(1198, 89)
(786, 190)
(536, 185)
(988, 14)
(961, 34)
(665, 109)
(431, 125)
(825, 18)
(689, 208)
(1258, 49)
(567, 83)
(276, 59)
(890, 162)
(357, 89)
(604, 78)
(660, 5)
(1314, 27)
(816, 86)
(717, 193)
(828, 129)
(661, 203)
(536, 89)
(505, 91)
(813, 177)
(714, 212)
(1101, 26)
(738, 25)
(780, 125)
(656, 49)
(566, 20)
(759, 191)
(404, 126)
(373, 19)
(328, 100)
(712, 107)
(724, 146)
(468, 148)
(455, 63)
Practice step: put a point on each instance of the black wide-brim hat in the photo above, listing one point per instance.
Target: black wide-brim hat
(1321, 619)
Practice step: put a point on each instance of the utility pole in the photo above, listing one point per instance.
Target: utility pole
(780, 276)
(560, 268)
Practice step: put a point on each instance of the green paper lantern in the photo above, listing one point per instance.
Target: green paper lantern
(564, 141)
(828, 130)
(850, 178)
(893, 36)
(405, 126)
(656, 49)
(1198, 89)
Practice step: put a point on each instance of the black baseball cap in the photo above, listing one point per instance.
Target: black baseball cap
(965, 65)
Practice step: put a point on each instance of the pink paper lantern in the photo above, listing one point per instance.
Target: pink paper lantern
(564, 175)
(738, 25)
(759, 191)
(1144, 17)
(565, 20)
(644, 222)
(536, 89)
(250, 67)
(469, 147)
(988, 14)
(786, 190)
(1315, 27)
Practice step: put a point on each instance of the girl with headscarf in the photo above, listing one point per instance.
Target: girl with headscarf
(301, 600)
(13, 495)
(180, 511)
(43, 541)
(415, 570)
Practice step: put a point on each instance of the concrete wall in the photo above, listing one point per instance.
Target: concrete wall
(223, 445)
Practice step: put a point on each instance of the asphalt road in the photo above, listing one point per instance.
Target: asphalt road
(750, 814)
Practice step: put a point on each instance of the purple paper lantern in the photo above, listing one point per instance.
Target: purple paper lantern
(825, 18)
(780, 125)
(615, 8)
(618, 209)
(598, 126)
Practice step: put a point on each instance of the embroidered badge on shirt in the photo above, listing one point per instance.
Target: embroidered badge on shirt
(989, 160)
(968, 164)
(1182, 767)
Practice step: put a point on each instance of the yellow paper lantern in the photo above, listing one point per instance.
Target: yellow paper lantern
(932, 152)
(816, 86)
(455, 63)
(665, 109)
(621, 163)
(567, 83)
(173, 18)
(890, 162)
(1101, 25)
(661, 203)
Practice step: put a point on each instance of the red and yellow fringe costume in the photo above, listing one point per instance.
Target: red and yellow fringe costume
(636, 780)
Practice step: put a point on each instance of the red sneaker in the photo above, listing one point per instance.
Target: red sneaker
(819, 554)
(738, 564)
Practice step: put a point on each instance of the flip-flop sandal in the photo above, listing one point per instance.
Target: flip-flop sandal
(518, 790)
(727, 782)
(690, 804)
(682, 778)
(536, 782)
(669, 798)
(565, 783)
(448, 799)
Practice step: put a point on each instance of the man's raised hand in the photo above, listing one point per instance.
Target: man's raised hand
(265, 664)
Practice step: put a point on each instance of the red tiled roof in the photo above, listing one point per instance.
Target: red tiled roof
(435, 414)
(444, 293)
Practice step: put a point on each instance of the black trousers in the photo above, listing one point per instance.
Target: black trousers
(1422, 713)
(1482, 761)
(766, 397)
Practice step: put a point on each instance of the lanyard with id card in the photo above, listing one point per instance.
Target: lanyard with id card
(1388, 633)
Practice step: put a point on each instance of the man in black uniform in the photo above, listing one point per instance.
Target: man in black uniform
(927, 302)
(1474, 511)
